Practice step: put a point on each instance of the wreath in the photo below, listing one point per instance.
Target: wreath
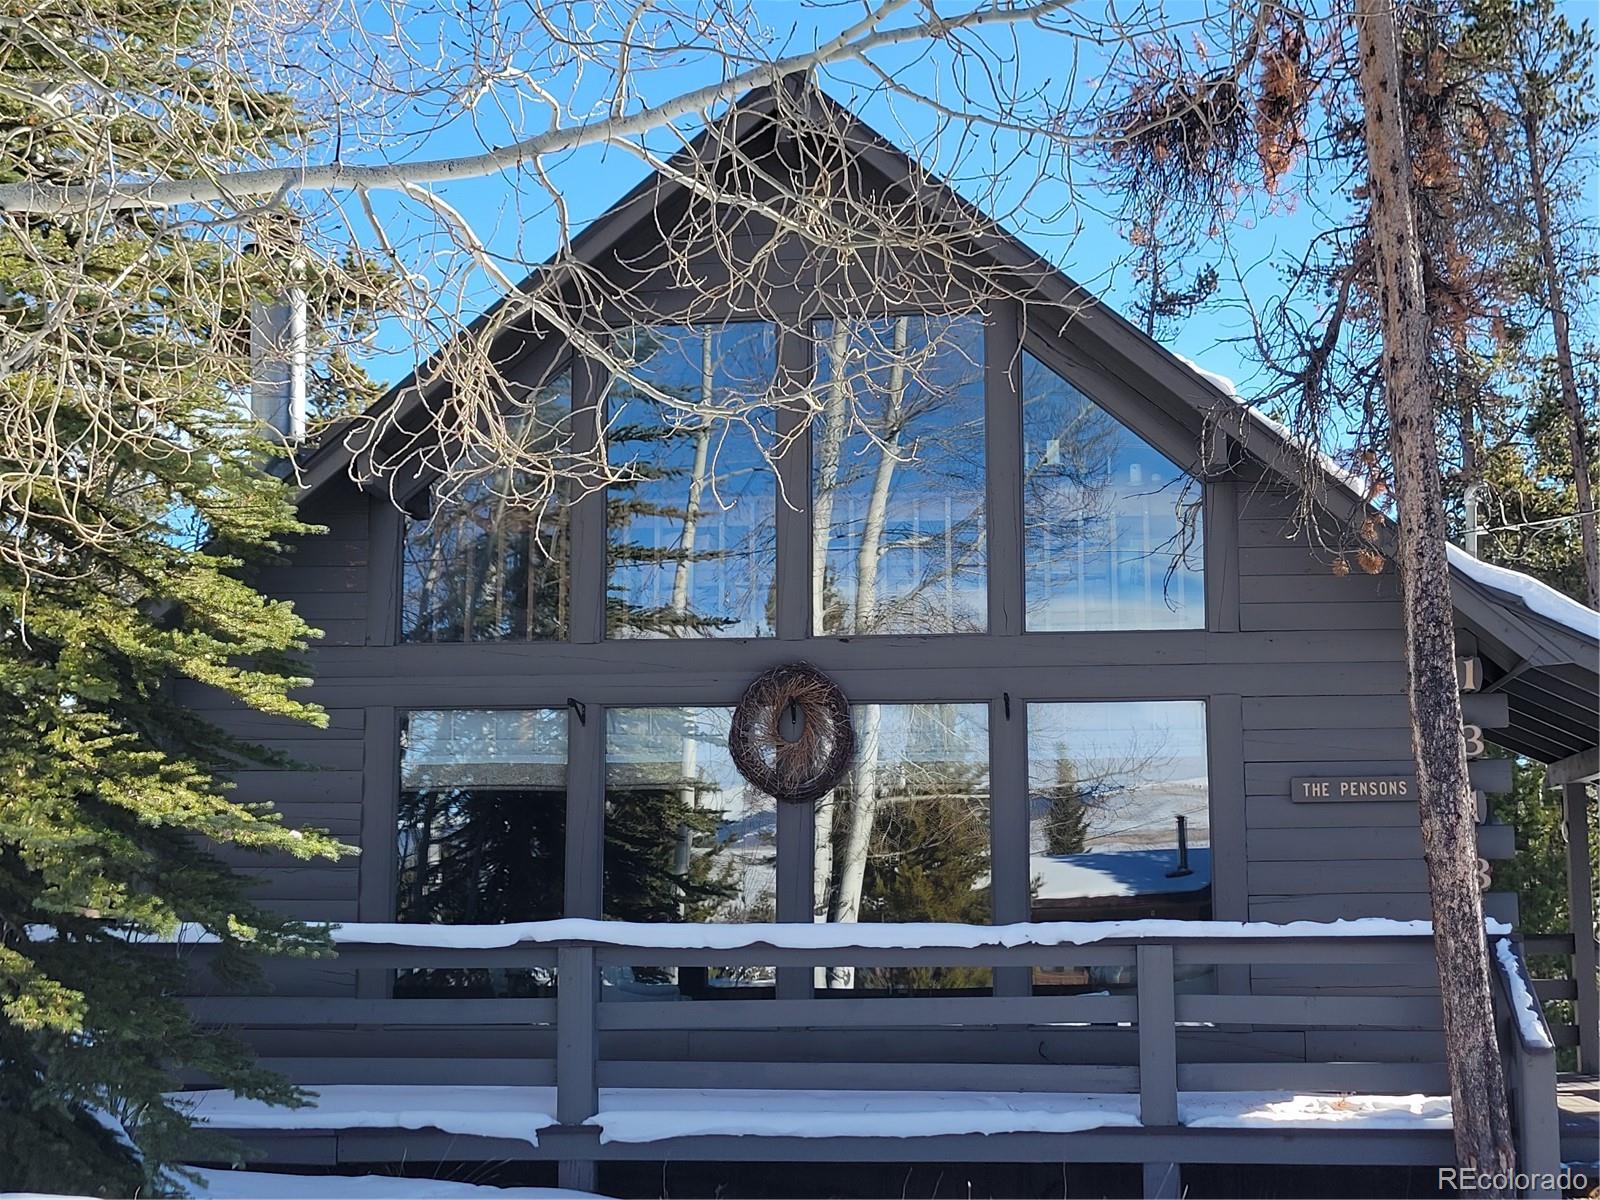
(802, 767)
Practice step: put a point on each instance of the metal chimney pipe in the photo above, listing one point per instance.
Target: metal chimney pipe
(278, 364)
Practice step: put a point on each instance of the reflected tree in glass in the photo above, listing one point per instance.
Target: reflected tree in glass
(906, 837)
(898, 492)
(481, 568)
(1112, 529)
(481, 832)
(690, 517)
(1119, 810)
(686, 838)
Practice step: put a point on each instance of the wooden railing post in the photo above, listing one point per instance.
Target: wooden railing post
(1533, 1077)
(577, 1053)
(1158, 1060)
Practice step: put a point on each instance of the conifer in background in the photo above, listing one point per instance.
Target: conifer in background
(132, 498)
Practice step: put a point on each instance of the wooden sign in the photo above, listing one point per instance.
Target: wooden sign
(1335, 788)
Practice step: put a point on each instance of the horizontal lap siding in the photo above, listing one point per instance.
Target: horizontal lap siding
(1334, 860)
(325, 577)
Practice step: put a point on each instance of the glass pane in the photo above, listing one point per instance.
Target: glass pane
(1113, 530)
(898, 478)
(687, 839)
(691, 524)
(1119, 810)
(906, 836)
(482, 832)
(483, 569)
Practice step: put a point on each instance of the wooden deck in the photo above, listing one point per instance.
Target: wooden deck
(1149, 1042)
(1578, 1102)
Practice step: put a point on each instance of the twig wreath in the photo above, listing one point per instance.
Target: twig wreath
(799, 768)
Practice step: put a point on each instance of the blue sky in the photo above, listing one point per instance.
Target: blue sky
(1072, 220)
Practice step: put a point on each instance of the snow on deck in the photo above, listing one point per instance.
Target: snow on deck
(840, 936)
(656, 1114)
(475, 1111)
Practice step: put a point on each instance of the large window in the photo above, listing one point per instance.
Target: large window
(1112, 528)
(482, 823)
(898, 477)
(687, 839)
(487, 565)
(1119, 810)
(690, 517)
(906, 836)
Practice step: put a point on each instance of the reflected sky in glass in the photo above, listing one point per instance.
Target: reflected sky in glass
(1112, 535)
(691, 534)
(898, 477)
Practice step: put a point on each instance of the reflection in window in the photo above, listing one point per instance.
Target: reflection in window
(1113, 535)
(1119, 810)
(482, 826)
(687, 839)
(898, 477)
(481, 568)
(690, 547)
(905, 837)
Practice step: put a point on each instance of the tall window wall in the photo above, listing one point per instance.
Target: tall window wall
(883, 522)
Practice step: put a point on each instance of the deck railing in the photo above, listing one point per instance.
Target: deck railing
(1163, 1040)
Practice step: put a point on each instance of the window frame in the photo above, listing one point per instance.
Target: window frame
(1005, 667)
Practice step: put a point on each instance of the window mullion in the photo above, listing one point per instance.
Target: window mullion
(1002, 358)
(795, 372)
(587, 517)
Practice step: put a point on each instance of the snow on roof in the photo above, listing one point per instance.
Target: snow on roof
(1540, 598)
(839, 936)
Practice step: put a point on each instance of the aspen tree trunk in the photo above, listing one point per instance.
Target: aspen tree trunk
(1477, 1084)
(1555, 295)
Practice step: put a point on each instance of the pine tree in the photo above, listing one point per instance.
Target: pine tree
(135, 499)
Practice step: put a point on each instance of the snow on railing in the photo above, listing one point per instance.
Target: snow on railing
(1525, 1009)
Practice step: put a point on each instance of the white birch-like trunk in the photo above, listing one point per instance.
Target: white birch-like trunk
(1449, 836)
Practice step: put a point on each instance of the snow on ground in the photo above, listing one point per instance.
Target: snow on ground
(836, 936)
(653, 1114)
(1118, 873)
(274, 1185)
(479, 1110)
(1530, 1017)
(1280, 1110)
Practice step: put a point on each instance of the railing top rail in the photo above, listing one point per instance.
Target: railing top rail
(1527, 1014)
(575, 931)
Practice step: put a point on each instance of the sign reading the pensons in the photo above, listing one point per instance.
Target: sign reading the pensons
(1354, 787)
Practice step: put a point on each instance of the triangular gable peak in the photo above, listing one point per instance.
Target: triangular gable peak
(898, 238)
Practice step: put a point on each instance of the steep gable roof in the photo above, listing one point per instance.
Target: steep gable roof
(1543, 647)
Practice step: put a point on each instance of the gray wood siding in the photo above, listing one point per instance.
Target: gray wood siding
(325, 576)
(1321, 861)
